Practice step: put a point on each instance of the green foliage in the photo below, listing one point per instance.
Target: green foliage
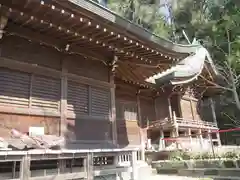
(215, 22)
(145, 13)
(180, 155)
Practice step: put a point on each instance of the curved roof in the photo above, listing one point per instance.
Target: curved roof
(130, 27)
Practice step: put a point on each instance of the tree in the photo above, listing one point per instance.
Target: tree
(217, 24)
(145, 13)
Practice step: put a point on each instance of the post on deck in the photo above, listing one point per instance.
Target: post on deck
(161, 140)
(133, 163)
(140, 127)
(200, 137)
(63, 102)
(170, 109)
(25, 168)
(88, 166)
(215, 120)
(113, 66)
(190, 135)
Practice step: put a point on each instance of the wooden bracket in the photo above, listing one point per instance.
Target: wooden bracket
(113, 65)
(3, 23)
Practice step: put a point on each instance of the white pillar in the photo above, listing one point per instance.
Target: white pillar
(200, 137)
(190, 135)
(133, 163)
(161, 140)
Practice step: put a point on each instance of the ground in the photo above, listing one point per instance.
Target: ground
(170, 177)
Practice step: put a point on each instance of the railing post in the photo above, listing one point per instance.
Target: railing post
(200, 137)
(116, 163)
(190, 136)
(161, 141)
(133, 163)
(25, 168)
(61, 166)
(88, 166)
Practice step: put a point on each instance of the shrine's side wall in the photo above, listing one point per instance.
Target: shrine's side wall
(189, 107)
(39, 86)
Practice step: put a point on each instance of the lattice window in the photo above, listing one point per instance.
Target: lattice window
(100, 102)
(77, 98)
(46, 93)
(14, 88)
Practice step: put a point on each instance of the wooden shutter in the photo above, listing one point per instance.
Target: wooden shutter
(100, 102)
(46, 93)
(77, 98)
(14, 88)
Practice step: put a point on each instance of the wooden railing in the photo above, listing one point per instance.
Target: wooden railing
(66, 164)
(195, 123)
(181, 122)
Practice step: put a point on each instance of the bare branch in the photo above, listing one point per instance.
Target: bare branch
(236, 122)
(215, 84)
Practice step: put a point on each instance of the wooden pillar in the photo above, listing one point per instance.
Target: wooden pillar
(215, 120)
(170, 109)
(113, 100)
(25, 168)
(192, 111)
(142, 139)
(63, 102)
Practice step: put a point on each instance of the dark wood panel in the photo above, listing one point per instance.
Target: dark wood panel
(77, 98)
(46, 93)
(23, 50)
(100, 102)
(90, 130)
(79, 65)
(14, 88)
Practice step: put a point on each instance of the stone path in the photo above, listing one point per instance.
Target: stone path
(171, 177)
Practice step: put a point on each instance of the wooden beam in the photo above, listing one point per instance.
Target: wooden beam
(57, 44)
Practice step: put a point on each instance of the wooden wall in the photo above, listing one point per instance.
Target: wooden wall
(128, 129)
(189, 107)
(33, 80)
(162, 109)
